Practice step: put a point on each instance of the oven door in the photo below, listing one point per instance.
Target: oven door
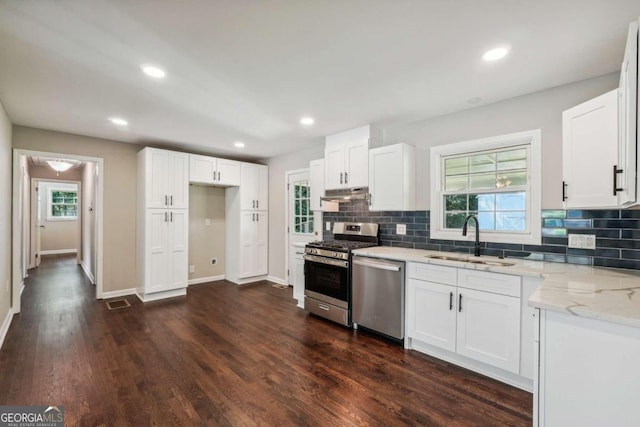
(327, 279)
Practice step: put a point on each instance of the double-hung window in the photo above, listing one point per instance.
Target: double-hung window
(496, 179)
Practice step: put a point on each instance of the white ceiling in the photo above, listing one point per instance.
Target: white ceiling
(248, 70)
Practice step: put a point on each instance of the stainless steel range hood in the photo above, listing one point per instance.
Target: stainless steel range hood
(346, 195)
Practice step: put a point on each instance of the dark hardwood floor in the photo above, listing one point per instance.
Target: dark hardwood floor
(226, 355)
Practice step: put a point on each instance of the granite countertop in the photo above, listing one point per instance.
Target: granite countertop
(598, 293)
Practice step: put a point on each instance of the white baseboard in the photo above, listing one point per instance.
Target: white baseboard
(87, 272)
(59, 251)
(5, 326)
(205, 279)
(120, 293)
(277, 280)
(162, 295)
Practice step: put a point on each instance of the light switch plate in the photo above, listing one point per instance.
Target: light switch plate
(401, 228)
(328, 226)
(192, 268)
(207, 221)
(582, 241)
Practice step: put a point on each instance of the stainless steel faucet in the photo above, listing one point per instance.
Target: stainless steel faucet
(476, 249)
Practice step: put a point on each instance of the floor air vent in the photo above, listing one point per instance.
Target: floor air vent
(118, 304)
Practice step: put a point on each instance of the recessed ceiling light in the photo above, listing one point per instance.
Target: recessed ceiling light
(495, 53)
(239, 144)
(153, 71)
(307, 121)
(118, 121)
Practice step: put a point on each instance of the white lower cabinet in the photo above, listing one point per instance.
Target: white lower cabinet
(433, 319)
(254, 228)
(489, 328)
(298, 284)
(165, 254)
(472, 318)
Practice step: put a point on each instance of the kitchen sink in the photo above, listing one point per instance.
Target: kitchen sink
(473, 260)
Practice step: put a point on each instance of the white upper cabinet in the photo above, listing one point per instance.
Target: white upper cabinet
(166, 178)
(213, 171)
(392, 178)
(254, 187)
(590, 153)
(316, 183)
(346, 158)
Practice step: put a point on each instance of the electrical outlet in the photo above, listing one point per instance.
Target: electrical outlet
(207, 221)
(328, 226)
(214, 261)
(401, 228)
(192, 269)
(582, 241)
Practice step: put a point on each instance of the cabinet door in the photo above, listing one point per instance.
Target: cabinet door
(228, 172)
(201, 169)
(357, 164)
(385, 178)
(316, 183)
(178, 180)
(432, 313)
(248, 187)
(334, 167)
(298, 284)
(489, 328)
(157, 250)
(262, 244)
(178, 247)
(248, 255)
(628, 98)
(262, 201)
(590, 151)
(156, 175)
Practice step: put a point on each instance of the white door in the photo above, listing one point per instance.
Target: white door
(178, 180)
(432, 316)
(178, 246)
(201, 169)
(334, 167)
(357, 164)
(590, 152)
(489, 328)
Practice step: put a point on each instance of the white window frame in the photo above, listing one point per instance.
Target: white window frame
(50, 217)
(532, 235)
(311, 214)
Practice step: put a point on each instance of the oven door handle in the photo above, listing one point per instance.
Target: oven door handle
(327, 261)
(378, 265)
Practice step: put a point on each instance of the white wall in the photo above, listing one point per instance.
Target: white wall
(5, 214)
(540, 110)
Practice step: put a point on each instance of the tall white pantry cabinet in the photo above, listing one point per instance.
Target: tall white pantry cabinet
(163, 224)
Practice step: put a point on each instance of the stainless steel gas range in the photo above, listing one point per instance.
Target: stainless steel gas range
(327, 270)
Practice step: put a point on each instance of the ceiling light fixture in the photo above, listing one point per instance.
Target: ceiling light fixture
(153, 71)
(307, 121)
(118, 121)
(495, 53)
(59, 165)
(239, 144)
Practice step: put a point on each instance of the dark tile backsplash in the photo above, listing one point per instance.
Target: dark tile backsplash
(617, 235)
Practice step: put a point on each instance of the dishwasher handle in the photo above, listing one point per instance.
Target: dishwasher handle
(377, 264)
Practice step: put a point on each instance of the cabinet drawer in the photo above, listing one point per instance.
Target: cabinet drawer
(503, 284)
(433, 273)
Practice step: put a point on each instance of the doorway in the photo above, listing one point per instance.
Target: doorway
(59, 203)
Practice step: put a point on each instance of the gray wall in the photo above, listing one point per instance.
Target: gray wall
(206, 241)
(540, 110)
(119, 176)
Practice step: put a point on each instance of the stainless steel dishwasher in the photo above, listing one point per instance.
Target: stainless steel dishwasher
(378, 295)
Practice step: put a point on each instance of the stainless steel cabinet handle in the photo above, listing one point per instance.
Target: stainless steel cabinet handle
(323, 307)
(460, 303)
(171, 216)
(166, 200)
(253, 217)
(450, 300)
(165, 217)
(257, 204)
(218, 175)
(378, 265)
(346, 178)
(257, 218)
(253, 204)
(340, 177)
(171, 200)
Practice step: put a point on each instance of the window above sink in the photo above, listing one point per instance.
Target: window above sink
(497, 179)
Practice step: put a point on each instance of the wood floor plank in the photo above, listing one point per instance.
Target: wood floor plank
(226, 355)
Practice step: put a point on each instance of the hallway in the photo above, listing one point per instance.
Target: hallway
(226, 355)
